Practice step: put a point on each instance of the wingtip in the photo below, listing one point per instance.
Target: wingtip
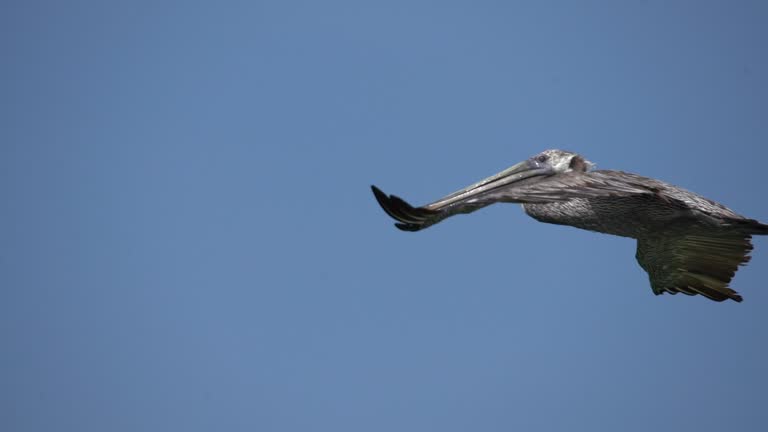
(408, 227)
(378, 193)
(409, 218)
(383, 201)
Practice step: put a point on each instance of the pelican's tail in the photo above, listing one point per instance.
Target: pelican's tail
(750, 226)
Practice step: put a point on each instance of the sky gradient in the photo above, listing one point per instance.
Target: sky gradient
(189, 241)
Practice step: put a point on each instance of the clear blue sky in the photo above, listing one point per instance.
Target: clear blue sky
(188, 241)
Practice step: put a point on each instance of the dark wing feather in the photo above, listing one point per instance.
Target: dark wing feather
(695, 261)
(409, 218)
(417, 218)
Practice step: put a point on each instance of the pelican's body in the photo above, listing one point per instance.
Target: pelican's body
(686, 242)
(634, 216)
(596, 214)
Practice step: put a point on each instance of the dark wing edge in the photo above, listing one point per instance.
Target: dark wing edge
(692, 263)
(409, 218)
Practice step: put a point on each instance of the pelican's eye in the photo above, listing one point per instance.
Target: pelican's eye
(542, 158)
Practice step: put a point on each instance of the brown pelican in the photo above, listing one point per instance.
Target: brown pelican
(685, 242)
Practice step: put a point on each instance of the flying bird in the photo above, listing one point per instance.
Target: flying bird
(686, 243)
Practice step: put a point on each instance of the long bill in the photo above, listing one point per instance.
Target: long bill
(513, 174)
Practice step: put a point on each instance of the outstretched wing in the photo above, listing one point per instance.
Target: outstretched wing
(694, 261)
(560, 187)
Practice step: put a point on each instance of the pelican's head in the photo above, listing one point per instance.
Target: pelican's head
(560, 161)
(543, 165)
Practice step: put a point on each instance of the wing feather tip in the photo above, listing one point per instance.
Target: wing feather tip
(408, 227)
(409, 218)
(385, 202)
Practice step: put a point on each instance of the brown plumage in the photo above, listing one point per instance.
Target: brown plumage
(686, 243)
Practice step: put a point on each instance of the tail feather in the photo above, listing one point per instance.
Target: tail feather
(749, 226)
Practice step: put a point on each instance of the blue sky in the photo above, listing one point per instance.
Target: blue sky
(189, 242)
